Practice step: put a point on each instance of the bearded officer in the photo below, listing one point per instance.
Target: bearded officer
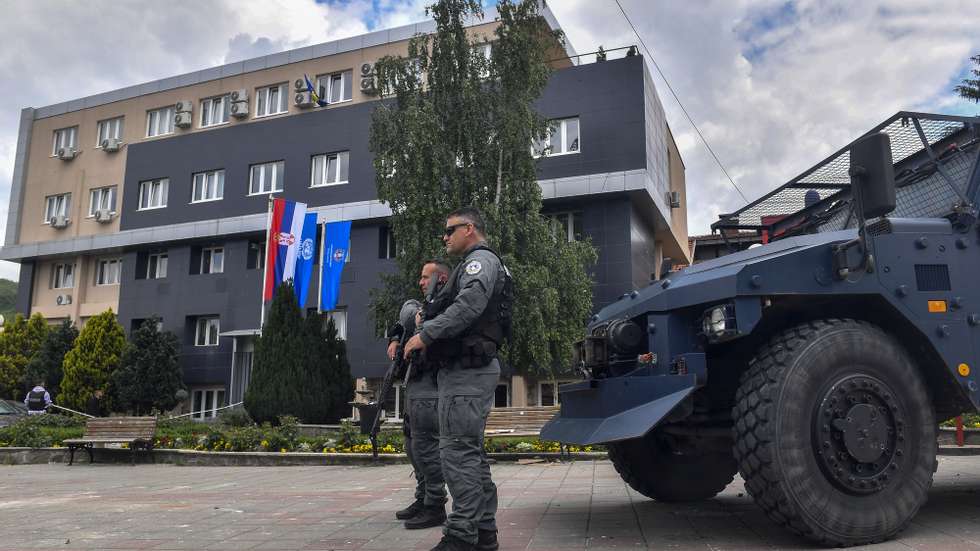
(422, 434)
(469, 321)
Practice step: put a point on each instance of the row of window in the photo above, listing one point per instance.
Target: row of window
(269, 100)
(107, 272)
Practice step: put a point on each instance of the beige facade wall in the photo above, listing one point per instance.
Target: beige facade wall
(87, 298)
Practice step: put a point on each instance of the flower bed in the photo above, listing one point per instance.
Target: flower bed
(970, 420)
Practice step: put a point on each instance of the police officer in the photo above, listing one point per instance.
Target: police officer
(468, 323)
(37, 400)
(422, 435)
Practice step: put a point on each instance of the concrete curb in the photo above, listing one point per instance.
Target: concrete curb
(35, 456)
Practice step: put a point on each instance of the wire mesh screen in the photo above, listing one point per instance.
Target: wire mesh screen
(831, 177)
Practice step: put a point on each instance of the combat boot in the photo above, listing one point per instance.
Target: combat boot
(487, 541)
(427, 518)
(452, 543)
(410, 511)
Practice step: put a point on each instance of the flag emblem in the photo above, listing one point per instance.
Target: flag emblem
(306, 249)
(285, 238)
(338, 255)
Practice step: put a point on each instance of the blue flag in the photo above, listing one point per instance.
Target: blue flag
(304, 259)
(336, 237)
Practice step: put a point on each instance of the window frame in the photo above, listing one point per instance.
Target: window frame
(263, 92)
(333, 314)
(326, 158)
(563, 128)
(211, 250)
(207, 332)
(60, 272)
(225, 100)
(66, 207)
(92, 202)
(155, 273)
(569, 223)
(170, 111)
(164, 185)
(58, 142)
(209, 410)
(219, 185)
(324, 83)
(554, 395)
(275, 173)
(103, 124)
(102, 268)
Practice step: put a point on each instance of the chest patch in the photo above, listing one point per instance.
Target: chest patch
(473, 267)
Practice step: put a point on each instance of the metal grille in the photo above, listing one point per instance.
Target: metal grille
(830, 177)
(932, 277)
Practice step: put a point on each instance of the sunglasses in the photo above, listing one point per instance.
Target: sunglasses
(451, 229)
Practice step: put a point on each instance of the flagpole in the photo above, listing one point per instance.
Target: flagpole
(323, 243)
(265, 261)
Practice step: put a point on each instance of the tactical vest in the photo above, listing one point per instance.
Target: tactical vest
(35, 400)
(478, 344)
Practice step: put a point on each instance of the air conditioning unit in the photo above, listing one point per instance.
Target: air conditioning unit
(183, 120)
(299, 85)
(111, 144)
(240, 95)
(367, 86)
(60, 221)
(303, 99)
(674, 199)
(103, 215)
(239, 109)
(67, 153)
(63, 300)
(367, 69)
(184, 106)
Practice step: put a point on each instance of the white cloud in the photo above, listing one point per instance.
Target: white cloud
(776, 86)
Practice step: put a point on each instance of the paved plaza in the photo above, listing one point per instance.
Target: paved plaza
(543, 506)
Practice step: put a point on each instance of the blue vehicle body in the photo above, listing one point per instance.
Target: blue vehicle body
(923, 288)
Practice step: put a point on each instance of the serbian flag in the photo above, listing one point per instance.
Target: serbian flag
(284, 243)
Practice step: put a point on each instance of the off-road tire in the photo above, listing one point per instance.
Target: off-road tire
(779, 441)
(652, 469)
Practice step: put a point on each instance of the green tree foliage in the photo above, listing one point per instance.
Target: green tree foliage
(8, 298)
(149, 374)
(90, 364)
(19, 342)
(47, 364)
(456, 130)
(299, 367)
(970, 89)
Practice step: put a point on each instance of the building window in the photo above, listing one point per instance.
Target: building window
(110, 128)
(547, 395)
(564, 139)
(205, 402)
(208, 186)
(212, 260)
(339, 318)
(501, 396)
(270, 100)
(330, 169)
(103, 198)
(386, 242)
(484, 51)
(266, 178)
(156, 266)
(567, 225)
(160, 121)
(56, 205)
(256, 255)
(336, 87)
(65, 137)
(215, 110)
(62, 276)
(206, 332)
(108, 271)
(153, 194)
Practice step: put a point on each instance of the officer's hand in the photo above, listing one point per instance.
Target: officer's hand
(392, 348)
(418, 318)
(413, 344)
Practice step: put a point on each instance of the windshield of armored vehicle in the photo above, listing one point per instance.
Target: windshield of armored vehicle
(819, 199)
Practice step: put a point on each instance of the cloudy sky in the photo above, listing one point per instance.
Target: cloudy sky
(774, 85)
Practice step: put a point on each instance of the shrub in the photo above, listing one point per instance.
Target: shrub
(235, 417)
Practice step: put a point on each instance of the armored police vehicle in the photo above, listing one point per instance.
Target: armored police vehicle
(817, 365)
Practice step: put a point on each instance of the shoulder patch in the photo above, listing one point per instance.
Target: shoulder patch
(474, 267)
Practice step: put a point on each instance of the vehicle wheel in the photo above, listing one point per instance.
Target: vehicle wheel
(834, 432)
(650, 466)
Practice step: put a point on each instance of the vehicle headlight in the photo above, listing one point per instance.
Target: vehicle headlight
(718, 322)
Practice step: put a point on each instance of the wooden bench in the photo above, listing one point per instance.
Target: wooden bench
(137, 432)
(526, 421)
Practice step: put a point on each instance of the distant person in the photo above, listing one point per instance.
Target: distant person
(94, 405)
(37, 400)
